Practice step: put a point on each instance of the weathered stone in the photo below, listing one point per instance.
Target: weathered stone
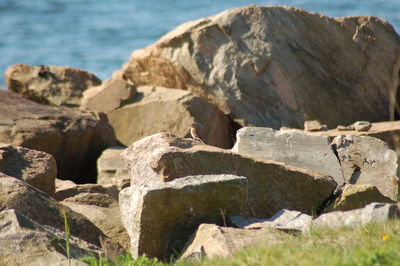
(372, 213)
(296, 148)
(37, 168)
(54, 85)
(161, 218)
(170, 110)
(272, 185)
(111, 166)
(75, 138)
(314, 125)
(76, 190)
(362, 126)
(211, 240)
(284, 219)
(110, 95)
(41, 208)
(367, 160)
(24, 242)
(357, 196)
(279, 66)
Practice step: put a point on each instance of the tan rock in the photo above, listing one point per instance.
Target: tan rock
(54, 85)
(110, 95)
(161, 218)
(75, 138)
(111, 167)
(170, 110)
(273, 185)
(314, 125)
(356, 197)
(274, 66)
(37, 168)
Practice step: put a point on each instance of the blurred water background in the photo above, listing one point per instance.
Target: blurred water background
(99, 35)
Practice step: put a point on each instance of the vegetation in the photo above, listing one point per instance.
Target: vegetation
(373, 244)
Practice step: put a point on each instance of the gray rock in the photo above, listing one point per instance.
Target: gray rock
(296, 148)
(367, 160)
(111, 166)
(161, 218)
(372, 213)
(362, 126)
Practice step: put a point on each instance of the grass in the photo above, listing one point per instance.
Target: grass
(373, 244)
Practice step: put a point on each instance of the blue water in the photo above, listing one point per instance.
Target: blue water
(99, 35)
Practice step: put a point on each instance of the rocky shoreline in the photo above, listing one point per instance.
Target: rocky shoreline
(118, 159)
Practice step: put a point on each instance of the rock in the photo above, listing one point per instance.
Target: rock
(273, 186)
(54, 85)
(110, 95)
(37, 168)
(357, 196)
(75, 138)
(24, 242)
(161, 218)
(101, 208)
(279, 66)
(170, 110)
(111, 166)
(362, 126)
(283, 220)
(211, 240)
(41, 208)
(295, 148)
(372, 213)
(76, 190)
(314, 125)
(367, 160)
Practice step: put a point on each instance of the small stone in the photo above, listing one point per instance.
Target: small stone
(362, 126)
(314, 125)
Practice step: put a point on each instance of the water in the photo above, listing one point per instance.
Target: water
(99, 35)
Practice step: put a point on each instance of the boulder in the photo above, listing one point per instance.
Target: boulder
(41, 208)
(37, 168)
(279, 66)
(54, 85)
(352, 197)
(75, 138)
(211, 240)
(273, 185)
(76, 190)
(111, 166)
(161, 218)
(372, 213)
(296, 148)
(170, 110)
(367, 160)
(314, 125)
(25, 242)
(110, 95)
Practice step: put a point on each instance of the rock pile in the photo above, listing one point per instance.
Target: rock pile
(161, 192)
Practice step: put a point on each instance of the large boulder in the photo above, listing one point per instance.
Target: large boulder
(161, 218)
(54, 85)
(75, 138)
(37, 168)
(279, 66)
(295, 148)
(25, 242)
(273, 185)
(170, 110)
(367, 160)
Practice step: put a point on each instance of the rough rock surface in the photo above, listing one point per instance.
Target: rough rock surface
(75, 138)
(110, 95)
(314, 125)
(211, 240)
(54, 85)
(367, 160)
(161, 218)
(111, 166)
(357, 196)
(372, 213)
(170, 110)
(272, 185)
(37, 168)
(279, 66)
(295, 148)
(41, 208)
(24, 242)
